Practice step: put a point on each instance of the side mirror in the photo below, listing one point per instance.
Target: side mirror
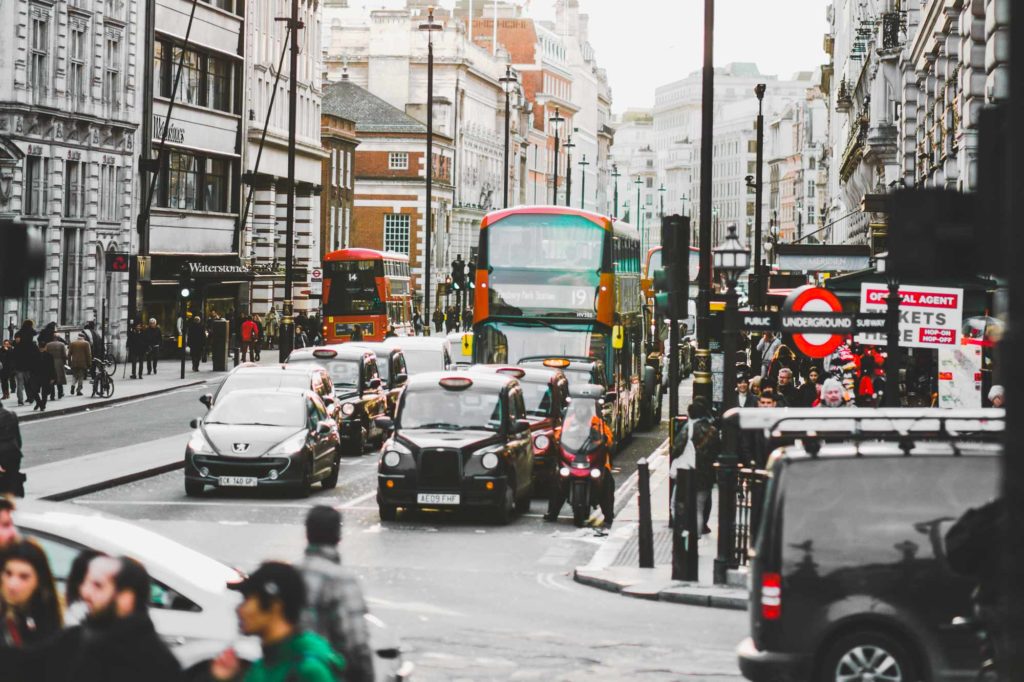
(324, 428)
(400, 379)
(374, 383)
(384, 423)
(329, 399)
(611, 396)
(195, 423)
(522, 426)
(206, 399)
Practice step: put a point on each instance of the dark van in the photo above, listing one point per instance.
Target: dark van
(849, 579)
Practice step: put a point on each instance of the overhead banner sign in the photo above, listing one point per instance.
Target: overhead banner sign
(930, 317)
(823, 257)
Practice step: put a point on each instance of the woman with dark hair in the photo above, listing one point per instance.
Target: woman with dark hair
(809, 391)
(784, 357)
(29, 607)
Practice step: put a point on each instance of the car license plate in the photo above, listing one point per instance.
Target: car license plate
(237, 481)
(437, 498)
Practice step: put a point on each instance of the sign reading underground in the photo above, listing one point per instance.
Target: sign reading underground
(814, 308)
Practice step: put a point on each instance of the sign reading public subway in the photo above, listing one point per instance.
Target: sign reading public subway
(930, 317)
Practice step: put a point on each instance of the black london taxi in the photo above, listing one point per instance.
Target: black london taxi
(391, 368)
(263, 438)
(850, 580)
(357, 390)
(544, 392)
(461, 441)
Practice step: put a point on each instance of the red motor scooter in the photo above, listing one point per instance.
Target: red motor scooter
(582, 458)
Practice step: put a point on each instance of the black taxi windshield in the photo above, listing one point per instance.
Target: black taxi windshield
(352, 288)
(343, 373)
(537, 397)
(581, 430)
(441, 408)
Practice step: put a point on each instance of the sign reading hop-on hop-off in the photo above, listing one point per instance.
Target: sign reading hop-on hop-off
(930, 317)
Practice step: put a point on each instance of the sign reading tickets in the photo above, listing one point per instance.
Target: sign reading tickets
(930, 317)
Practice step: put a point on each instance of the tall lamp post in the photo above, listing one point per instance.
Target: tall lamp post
(702, 359)
(507, 82)
(638, 220)
(891, 397)
(287, 332)
(556, 119)
(759, 91)
(616, 175)
(661, 200)
(429, 27)
(569, 146)
(583, 182)
(731, 260)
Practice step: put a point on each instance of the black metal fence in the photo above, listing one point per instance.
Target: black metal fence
(741, 494)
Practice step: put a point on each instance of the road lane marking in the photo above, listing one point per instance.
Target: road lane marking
(357, 501)
(183, 503)
(103, 408)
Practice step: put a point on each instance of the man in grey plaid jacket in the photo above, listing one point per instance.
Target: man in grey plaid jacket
(335, 606)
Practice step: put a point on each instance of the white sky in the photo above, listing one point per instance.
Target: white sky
(647, 43)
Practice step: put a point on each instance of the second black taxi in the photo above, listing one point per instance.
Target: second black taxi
(461, 441)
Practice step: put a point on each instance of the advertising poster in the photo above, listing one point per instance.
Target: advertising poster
(930, 317)
(960, 376)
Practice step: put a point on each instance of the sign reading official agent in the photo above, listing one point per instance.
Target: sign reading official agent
(930, 317)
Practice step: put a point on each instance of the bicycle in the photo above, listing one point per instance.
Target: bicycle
(103, 382)
(110, 363)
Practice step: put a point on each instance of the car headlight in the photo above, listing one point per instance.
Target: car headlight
(290, 445)
(199, 445)
(490, 460)
(348, 409)
(392, 458)
(541, 442)
(595, 473)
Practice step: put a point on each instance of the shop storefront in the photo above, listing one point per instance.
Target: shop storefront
(217, 283)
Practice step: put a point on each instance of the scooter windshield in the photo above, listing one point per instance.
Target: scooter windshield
(580, 435)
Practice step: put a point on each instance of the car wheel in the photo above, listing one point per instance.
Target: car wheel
(580, 516)
(507, 509)
(304, 487)
(868, 655)
(388, 512)
(357, 444)
(193, 488)
(332, 479)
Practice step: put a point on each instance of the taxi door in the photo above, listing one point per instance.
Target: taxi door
(519, 444)
(374, 400)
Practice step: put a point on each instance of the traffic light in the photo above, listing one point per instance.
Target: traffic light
(671, 281)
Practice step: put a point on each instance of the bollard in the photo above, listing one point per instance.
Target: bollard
(235, 353)
(646, 537)
(685, 532)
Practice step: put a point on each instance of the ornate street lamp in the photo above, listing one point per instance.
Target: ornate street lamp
(583, 182)
(556, 120)
(616, 174)
(730, 259)
(507, 82)
(569, 146)
(428, 210)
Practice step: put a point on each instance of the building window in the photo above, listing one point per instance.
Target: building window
(112, 68)
(215, 183)
(186, 174)
(71, 276)
(189, 82)
(650, 183)
(205, 80)
(398, 161)
(218, 84)
(115, 9)
(108, 192)
(39, 48)
(182, 180)
(37, 185)
(74, 189)
(810, 188)
(76, 61)
(396, 232)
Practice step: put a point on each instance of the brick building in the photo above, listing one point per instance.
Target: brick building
(337, 186)
(390, 180)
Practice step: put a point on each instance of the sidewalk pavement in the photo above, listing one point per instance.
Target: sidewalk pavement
(615, 566)
(125, 389)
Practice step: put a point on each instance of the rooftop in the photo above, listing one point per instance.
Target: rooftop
(370, 113)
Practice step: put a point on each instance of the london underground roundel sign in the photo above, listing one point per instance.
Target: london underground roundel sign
(809, 299)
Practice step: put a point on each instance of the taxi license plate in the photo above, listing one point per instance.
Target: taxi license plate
(237, 481)
(437, 498)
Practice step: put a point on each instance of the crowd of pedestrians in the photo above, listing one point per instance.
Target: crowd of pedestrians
(310, 616)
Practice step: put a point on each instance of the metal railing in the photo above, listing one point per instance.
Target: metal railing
(749, 500)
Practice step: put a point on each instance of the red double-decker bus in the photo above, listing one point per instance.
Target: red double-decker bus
(367, 289)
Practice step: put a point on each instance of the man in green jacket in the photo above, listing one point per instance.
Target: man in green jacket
(274, 596)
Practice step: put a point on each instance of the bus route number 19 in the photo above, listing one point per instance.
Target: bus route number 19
(579, 298)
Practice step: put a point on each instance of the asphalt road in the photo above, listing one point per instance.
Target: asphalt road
(470, 600)
(62, 437)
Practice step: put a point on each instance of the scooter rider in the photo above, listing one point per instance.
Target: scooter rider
(582, 421)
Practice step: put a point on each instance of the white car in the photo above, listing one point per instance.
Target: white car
(191, 607)
(424, 353)
(458, 344)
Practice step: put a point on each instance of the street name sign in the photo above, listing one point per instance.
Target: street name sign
(930, 317)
